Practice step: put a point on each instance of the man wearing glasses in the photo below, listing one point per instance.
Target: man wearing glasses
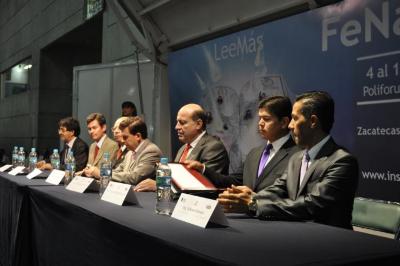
(69, 130)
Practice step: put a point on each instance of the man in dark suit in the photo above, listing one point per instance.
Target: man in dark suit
(266, 163)
(191, 128)
(320, 181)
(69, 130)
(190, 125)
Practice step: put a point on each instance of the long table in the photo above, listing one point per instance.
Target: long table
(14, 219)
(60, 227)
(79, 229)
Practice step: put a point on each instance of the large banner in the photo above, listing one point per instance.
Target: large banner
(350, 49)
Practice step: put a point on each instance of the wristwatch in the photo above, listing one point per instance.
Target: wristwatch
(253, 207)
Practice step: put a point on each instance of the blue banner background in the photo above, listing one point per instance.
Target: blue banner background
(229, 74)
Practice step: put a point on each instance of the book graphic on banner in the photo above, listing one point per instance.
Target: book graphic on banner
(199, 211)
(189, 179)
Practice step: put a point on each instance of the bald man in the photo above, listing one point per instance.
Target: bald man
(198, 145)
(191, 128)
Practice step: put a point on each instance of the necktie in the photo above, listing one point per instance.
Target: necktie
(264, 158)
(119, 153)
(304, 166)
(185, 153)
(96, 151)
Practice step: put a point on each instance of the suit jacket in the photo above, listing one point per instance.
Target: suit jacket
(274, 169)
(80, 150)
(109, 146)
(132, 171)
(325, 196)
(210, 151)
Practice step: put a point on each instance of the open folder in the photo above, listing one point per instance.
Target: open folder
(189, 179)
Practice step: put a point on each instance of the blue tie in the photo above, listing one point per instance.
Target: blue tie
(264, 158)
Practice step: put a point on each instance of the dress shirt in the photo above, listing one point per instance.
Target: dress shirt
(194, 143)
(100, 142)
(313, 152)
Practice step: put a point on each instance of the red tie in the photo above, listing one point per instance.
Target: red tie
(119, 154)
(96, 151)
(185, 153)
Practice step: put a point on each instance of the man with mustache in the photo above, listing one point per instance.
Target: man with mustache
(191, 129)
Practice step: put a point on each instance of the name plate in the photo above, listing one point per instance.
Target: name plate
(199, 211)
(79, 184)
(5, 167)
(117, 193)
(34, 173)
(16, 170)
(55, 177)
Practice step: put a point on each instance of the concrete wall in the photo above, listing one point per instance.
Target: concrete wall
(29, 28)
(26, 26)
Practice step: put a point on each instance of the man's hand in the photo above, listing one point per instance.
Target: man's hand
(236, 199)
(92, 171)
(42, 165)
(146, 185)
(78, 173)
(196, 165)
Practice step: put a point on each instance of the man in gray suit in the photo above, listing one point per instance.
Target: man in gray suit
(190, 125)
(320, 182)
(142, 157)
(97, 128)
(191, 128)
(266, 163)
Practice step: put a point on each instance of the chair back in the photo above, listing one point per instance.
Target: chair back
(377, 215)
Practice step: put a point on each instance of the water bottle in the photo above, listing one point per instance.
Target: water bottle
(164, 194)
(21, 157)
(55, 159)
(69, 168)
(105, 172)
(15, 157)
(32, 159)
